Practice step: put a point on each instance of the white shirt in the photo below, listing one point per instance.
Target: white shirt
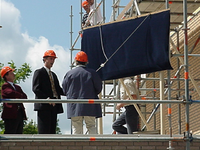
(47, 69)
(97, 17)
(130, 85)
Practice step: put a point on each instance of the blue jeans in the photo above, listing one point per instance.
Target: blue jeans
(130, 118)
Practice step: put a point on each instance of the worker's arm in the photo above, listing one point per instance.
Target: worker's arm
(120, 105)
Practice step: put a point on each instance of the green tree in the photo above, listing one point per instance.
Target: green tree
(21, 74)
(30, 127)
(57, 128)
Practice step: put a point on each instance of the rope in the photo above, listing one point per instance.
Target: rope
(107, 59)
(102, 43)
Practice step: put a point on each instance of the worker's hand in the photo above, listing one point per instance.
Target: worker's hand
(87, 23)
(49, 98)
(120, 105)
(53, 104)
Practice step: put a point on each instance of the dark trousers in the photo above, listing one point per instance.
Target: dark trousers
(130, 118)
(47, 120)
(14, 126)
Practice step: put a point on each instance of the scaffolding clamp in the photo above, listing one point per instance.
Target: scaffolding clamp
(188, 138)
(186, 29)
(177, 29)
(190, 101)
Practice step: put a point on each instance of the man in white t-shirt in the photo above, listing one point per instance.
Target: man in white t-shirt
(130, 115)
(97, 17)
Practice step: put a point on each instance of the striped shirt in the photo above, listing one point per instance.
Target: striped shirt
(85, 17)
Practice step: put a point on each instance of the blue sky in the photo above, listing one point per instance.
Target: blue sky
(30, 27)
(47, 18)
(51, 18)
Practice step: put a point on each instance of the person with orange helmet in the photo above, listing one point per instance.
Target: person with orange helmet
(46, 86)
(13, 113)
(82, 83)
(86, 6)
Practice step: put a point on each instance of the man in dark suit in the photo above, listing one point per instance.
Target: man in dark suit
(46, 86)
(13, 113)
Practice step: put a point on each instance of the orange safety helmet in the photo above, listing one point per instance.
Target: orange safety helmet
(49, 53)
(84, 3)
(5, 69)
(81, 56)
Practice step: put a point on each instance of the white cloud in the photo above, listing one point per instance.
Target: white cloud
(21, 48)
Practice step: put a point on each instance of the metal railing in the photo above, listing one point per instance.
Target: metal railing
(95, 101)
(135, 137)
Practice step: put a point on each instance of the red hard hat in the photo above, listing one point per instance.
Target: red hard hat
(81, 56)
(5, 69)
(84, 3)
(49, 53)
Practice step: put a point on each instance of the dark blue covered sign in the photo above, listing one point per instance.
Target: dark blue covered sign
(129, 47)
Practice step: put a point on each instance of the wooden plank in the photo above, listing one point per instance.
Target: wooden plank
(124, 10)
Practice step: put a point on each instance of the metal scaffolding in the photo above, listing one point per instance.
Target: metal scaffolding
(155, 87)
(135, 137)
(53, 138)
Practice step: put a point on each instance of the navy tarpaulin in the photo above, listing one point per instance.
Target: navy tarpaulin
(145, 48)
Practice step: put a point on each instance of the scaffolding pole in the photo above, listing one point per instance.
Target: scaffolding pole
(35, 137)
(185, 28)
(178, 84)
(96, 101)
(71, 35)
(162, 116)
